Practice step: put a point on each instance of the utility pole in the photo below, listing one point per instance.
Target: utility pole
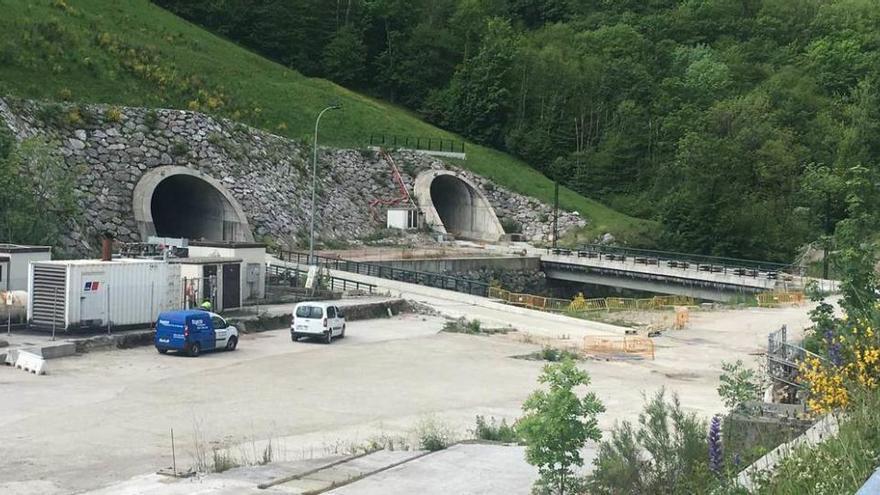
(827, 238)
(555, 213)
(315, 184)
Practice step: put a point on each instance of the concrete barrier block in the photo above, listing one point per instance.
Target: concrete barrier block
(30, 362)
(59, 350)
(11, 357)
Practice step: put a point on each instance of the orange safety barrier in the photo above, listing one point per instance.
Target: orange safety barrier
(580, 304)
(628, 346)
(771, 299)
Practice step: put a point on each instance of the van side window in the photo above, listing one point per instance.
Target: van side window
(339, 313)
(218, 323)
(331, 312)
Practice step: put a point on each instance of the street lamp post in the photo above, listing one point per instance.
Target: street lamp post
(315, 185)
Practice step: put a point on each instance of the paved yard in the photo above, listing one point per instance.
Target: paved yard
(104, 417)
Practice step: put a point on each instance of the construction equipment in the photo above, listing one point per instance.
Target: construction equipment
(404, 195)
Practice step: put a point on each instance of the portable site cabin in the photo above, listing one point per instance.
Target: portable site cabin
(251, 258)
(210, 278)
(71, 295)
(14, 261)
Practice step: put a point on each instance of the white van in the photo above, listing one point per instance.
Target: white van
(317, 320)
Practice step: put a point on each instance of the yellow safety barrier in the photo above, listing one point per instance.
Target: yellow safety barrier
(580, 304)
(629, 346)
(772, 299)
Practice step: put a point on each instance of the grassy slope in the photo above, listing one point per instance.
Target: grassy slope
(131, 52)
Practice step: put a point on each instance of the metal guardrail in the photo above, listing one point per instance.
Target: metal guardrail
(417, 143)
(336, 284)
(429, 279)
(713, 264)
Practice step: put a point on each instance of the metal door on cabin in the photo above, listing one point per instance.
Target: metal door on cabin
(231, 286)
(93, 300)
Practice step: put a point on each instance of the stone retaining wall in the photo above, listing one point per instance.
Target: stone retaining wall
(112, 148)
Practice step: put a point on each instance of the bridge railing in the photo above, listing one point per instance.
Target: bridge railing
(334, 284)
(429, 279)
(712, 264)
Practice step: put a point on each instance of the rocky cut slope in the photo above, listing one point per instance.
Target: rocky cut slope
(254, 185)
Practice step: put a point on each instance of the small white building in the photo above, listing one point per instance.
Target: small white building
(14, 261)
(210, 278)
(404, 218)
(250, 271)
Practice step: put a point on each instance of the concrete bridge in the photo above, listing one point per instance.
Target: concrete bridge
(703, 277)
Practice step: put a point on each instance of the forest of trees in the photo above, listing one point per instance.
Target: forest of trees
(735, 123)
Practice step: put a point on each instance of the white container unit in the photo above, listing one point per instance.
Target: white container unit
(91, 294)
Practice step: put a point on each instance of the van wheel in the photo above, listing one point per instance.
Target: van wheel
(342, 335)
(195, 350)
(162, 351)
(329, 337)
(231, 343)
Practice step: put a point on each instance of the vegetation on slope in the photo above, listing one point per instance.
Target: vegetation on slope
(135, 53)
(732, 122)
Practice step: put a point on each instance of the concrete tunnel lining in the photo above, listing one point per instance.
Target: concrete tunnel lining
(182, 202)
(452, 204)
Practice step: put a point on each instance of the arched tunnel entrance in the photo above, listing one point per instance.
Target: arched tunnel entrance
(181, 202)
(453, 205)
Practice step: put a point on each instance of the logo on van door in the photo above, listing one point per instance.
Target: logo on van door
(91, 286)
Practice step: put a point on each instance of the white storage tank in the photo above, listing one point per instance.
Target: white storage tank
(90, 294)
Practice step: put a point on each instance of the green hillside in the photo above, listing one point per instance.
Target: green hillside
(134, 53)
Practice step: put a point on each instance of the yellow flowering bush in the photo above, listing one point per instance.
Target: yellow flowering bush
(853, 359)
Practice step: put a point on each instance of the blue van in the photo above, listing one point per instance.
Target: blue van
(193, 331)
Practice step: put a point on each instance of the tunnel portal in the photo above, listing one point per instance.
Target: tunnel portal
(186, 204)
(453, 205)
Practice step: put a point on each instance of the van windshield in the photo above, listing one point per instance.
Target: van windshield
(309, 312)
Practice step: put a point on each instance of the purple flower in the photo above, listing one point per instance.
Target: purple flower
(714, 440)
(833, 347)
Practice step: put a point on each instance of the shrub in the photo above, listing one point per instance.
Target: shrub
(51, 114)
(433, 435)
(179, 148)
(738, 385)
(151, 120)
(114, 114)
(494, 431)
(65, 94)
(555, 355)
(511, 226)
(223, 461)
(666, 452)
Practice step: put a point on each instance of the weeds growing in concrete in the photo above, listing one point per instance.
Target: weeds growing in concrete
(223, 461)
(495, 431)
(433, 435)
(470, 327)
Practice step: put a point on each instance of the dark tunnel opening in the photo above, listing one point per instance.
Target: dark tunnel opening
(454, 203)
(463, 211)
(186, 206)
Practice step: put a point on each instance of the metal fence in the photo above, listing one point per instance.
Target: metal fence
(334, 284)
(417, 143)
(429, 279)
(583, 305)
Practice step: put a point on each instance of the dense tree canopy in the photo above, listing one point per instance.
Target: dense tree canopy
(706, 115)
